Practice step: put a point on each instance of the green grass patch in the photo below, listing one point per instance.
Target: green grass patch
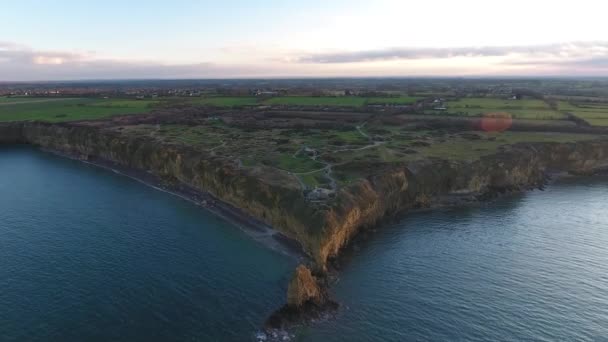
(346, 177)
(224, 101)
(59, 110)
(567, 106)
(594, 114)
(351, 137)
(536, 114)
(339, 101)
(297, 164)
(5, 100)
(403, 100)
(318, 101)
(200, 136)
(313, 180)
(463, 149)
(519, 109)
(598, 122)
(495, 103)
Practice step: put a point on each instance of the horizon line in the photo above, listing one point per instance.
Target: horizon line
(271, 78)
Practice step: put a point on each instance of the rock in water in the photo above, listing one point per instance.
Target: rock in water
(307, 300)
(304, 288)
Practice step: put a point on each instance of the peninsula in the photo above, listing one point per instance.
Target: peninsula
(321, 169)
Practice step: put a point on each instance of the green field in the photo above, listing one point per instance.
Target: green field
(519, 109)
(339, 101)
(598, 122)
(321, 101)
(342, 101)
(595, 114)
(403, 100)
(463, 149)
(64, 109)
(224, 101)
(4, 100)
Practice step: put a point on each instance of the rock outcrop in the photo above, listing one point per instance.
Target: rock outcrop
(304, 288)
(307, 300)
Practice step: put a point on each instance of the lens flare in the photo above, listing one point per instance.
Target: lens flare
(496, 122)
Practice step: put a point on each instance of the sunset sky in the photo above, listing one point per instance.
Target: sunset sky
(69, 39)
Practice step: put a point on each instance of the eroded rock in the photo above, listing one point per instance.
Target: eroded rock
(307, 301)
(304, 287)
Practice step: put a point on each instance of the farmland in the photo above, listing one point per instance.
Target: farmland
(17, 100)
(596, 114)
(518, 109)
(340, 101)
(224, 101)
(68, 109)
(312, 101)
(345, 101)
(402, 100)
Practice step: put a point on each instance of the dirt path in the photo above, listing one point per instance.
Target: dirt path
(327, 168)
(359, 127)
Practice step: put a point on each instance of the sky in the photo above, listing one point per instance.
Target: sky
(69, 39)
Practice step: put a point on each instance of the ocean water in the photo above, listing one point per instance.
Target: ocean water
(89, 255)
(530, 267)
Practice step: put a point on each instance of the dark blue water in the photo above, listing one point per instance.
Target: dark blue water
(88, 255)
(532, 267)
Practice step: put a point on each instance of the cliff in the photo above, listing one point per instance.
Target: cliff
(398, 187)
(274, 198)
(262, 192)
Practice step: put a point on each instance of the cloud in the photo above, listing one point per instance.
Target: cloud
(562, 50)
(22, 55)
(590, 62)
(21, 63)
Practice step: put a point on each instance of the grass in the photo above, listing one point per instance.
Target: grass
(321, 101)
(598, 122)
(403, 100)
(224, 101)
(519, 109)
(297, 164)
(594, 114)
(5, 100)
(351, 137)
(496, 103)
(59, 110)
(462, 149)
(313, 180)
(566, 106)
(281, 148)
(342, 101)
(339, 101)
(199, 136)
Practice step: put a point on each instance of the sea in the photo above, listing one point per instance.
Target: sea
(87, 254)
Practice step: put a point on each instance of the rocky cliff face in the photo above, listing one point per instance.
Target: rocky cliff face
(272, 197)
(11, 133)
(422, 184)
(263, 193)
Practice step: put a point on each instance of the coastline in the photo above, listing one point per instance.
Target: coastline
(254, 228)
(394, 191)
